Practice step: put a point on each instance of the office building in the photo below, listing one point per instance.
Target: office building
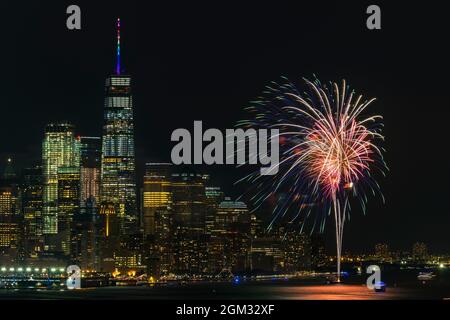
(60, 149)
(118, 182)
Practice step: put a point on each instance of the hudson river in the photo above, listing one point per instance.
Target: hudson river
(400, 285)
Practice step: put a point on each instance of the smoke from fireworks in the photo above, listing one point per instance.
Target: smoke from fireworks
(328, 152)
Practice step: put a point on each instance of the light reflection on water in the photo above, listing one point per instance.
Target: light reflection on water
(401, 285)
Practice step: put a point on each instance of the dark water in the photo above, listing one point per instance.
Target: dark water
(401, 284)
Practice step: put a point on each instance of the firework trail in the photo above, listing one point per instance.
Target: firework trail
(328, 152)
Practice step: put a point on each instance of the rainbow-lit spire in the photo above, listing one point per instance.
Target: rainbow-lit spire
(118, 47)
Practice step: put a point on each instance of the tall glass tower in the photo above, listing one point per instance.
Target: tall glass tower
(118, 183)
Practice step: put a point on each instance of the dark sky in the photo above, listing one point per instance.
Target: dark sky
(205, 60)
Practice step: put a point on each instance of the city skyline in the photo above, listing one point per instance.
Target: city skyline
(79, 206)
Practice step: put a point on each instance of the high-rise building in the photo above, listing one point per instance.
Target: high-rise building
(118, 184)
(229, 246)
(108, 236)
(118, 205)
(282, 248)
(60, 149)
(68, 204)
(10, 225)
(86, 229)
(31, 191)
(188, 225)
(9, 173)
(382, 252)
(420, 251)
(129, 255)
(318, 253)
(7, 201)
(90, 155)
(214, 196)
(267, 254)
(156, 194)
(157, 218)
(84, 250)
(296, 247)
(11, 235)
(9, 181)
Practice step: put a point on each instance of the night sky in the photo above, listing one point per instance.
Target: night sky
(206, 60)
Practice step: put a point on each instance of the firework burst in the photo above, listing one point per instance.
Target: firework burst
(328, 152)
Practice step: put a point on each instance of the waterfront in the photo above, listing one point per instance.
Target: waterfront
(400, 285)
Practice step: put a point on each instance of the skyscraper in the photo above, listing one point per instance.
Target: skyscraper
(86, 228)
(420, 251)
(118, 184)
(31, 189)
(60, 149)
(10, 222)
(68, 204)
(230, 237)
(189, 215)
(156, 218)
(157, 194)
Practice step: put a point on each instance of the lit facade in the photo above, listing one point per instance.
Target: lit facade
(229, 245)
(32, 206)
(7, 201)
(118, 185)
(419, 251)
(214, 196)
(118, 181)
(118, 205)
(68, 204)
(157, 218)
(85, 233)
(60, 149)
(382, 252)
(9, 225)
(189, 242)
(156, 195)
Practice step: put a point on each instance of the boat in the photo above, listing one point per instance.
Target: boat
(426, 276)
(380, 286)
(331, 279)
